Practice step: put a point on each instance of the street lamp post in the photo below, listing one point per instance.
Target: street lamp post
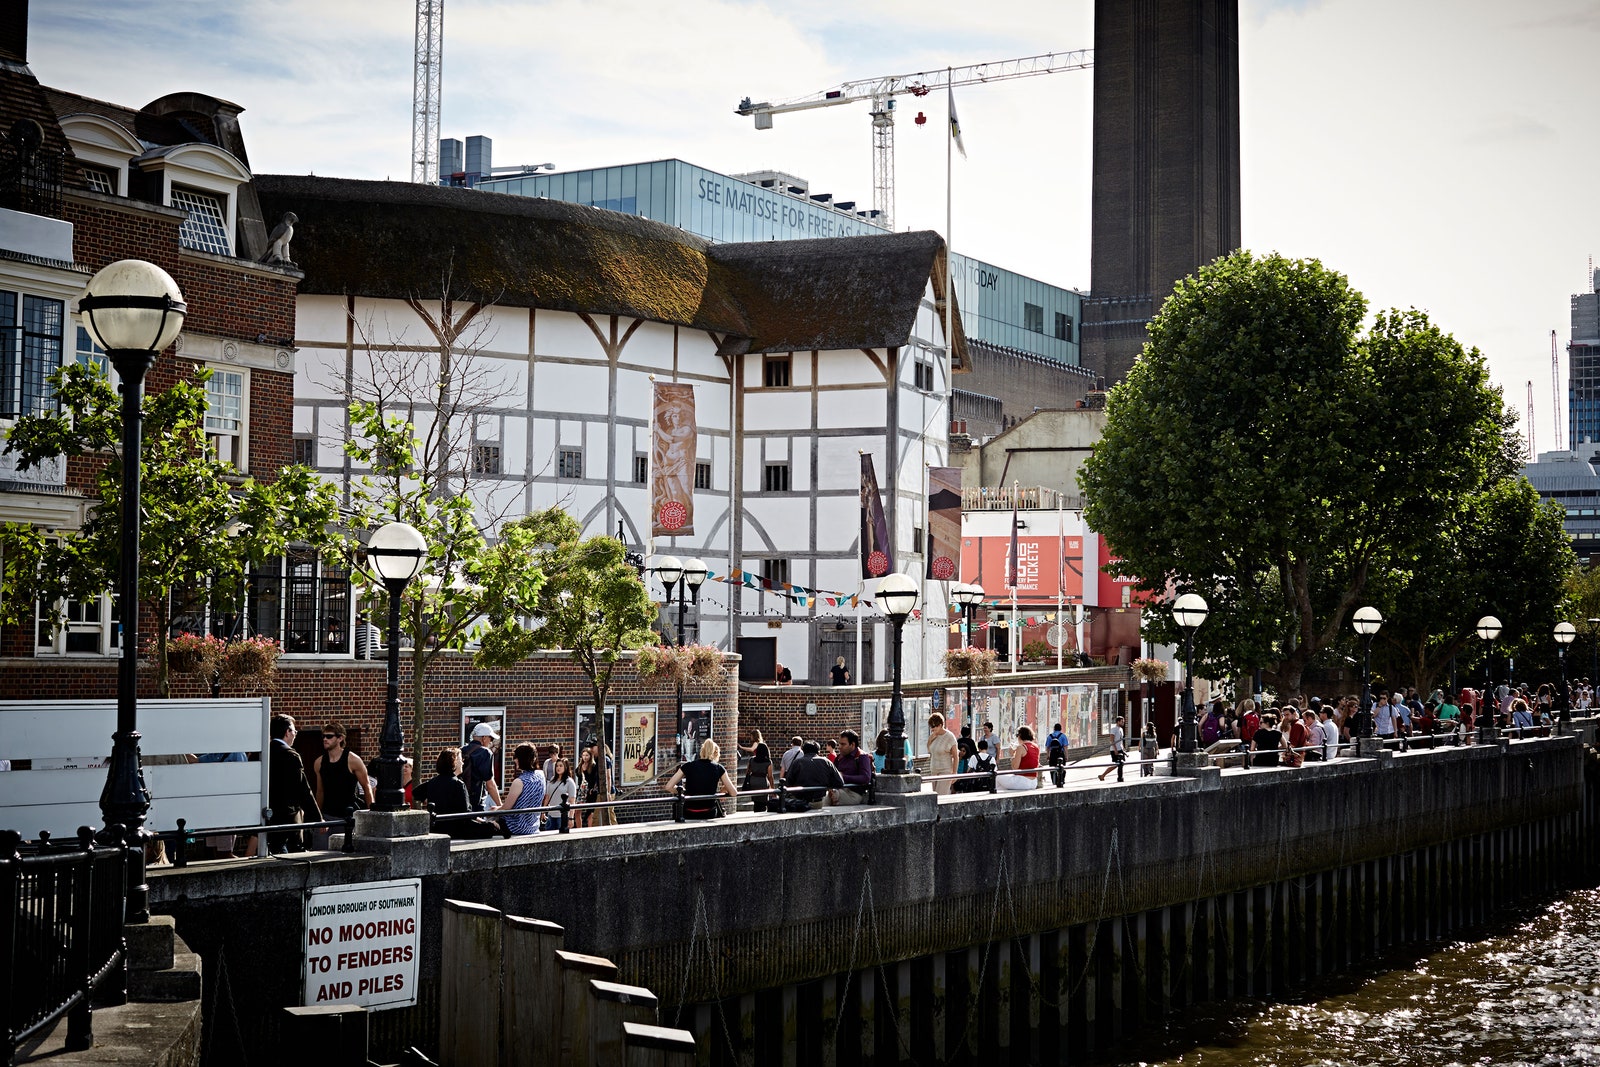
(1189, 611)
(694, 576)
(1488, 630)
(1594, 652)
(897, 595)
(967, 597)
(1367, 622)
(395, 551)
(133, 310)
(1564, 633)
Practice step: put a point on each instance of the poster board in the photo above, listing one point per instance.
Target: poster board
(875, 719)
(584, 731)
(1078, 708)
(494, 715)
(638, 748)
(697, 726)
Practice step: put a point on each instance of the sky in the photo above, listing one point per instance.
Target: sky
(1439, 153)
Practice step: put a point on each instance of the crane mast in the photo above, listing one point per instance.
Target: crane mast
(1533, 435)
(426, 87)
(880, 93)
(1555, 386)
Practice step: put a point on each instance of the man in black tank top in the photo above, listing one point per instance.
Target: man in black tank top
(339, 774)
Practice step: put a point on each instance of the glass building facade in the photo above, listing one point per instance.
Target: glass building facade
(998, 306)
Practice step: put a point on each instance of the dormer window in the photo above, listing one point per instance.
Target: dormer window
(101, 179)
(206, 228)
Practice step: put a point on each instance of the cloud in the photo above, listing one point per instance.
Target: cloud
(1507, 127)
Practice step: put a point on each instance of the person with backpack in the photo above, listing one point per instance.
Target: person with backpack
(1249, 723)
(1211, 725)
(477, 766)
(1056, 750)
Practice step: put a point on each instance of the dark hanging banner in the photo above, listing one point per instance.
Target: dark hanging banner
(877, 554)
(944, 522)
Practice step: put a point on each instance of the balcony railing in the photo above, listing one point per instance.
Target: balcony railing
(1027, 497)
(30, 173)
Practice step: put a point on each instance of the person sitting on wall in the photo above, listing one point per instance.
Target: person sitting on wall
(815, 779)
(855, 769)
(702, 779)
(447, 795)
(783, 676)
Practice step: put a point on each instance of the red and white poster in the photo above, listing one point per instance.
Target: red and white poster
(1040, 567)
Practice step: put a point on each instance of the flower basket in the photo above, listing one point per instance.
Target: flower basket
(704, 662)
(975, 663)
(1150, 670)
(661, 663)
(255, 658)
(189, 654)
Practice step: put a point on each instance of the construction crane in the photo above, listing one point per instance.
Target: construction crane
(1533, 436)
(426, 86)
(1555, 386)
(880, 92)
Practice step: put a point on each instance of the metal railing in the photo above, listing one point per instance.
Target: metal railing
(276, 833)
(62, 909)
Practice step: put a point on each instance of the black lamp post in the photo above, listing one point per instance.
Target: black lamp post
(897, 596)
(1367, 622)
(1189, 611)
(1564, 633)
(1594, 654)
(395, 551)
(133, 310)
(694, 576)
(966, 597)
(1488, 630)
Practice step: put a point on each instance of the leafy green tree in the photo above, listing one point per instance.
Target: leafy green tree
(594, 605)
(201, 523)
(1504, 554)
(1265, 454)
(466, 588)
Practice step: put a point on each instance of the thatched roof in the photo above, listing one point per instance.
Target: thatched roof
(400, 240)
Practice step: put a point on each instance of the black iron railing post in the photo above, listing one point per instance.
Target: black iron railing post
(10, 902)
(677, 804)
(566, 815)
(80, 1021)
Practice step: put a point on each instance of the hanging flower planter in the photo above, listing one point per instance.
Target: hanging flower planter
(975, 663)
(255, 658)
(1150, 670)
(189, 654)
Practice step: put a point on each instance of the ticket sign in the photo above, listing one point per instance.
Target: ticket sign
(362, 943)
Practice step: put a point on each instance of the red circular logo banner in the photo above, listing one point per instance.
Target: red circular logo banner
(877, 564)
(944, 568)
(672, 515)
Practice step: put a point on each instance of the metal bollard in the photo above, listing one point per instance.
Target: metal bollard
(565, 816)
(350, 830)
(180, 846)
(780, 807)
(994, 775)
(677, 803)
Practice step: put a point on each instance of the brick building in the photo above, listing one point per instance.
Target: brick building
(84, 183)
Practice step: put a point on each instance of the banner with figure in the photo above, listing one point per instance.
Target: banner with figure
(944, 522)
(672, 458)
(877, 552)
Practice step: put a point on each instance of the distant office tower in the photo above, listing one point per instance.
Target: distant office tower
(1583, 366)
(1166, 162)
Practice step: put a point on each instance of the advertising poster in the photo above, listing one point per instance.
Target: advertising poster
(585, 732)
(696, 728)
(1078, 708)
(638, 744)
(361, 944)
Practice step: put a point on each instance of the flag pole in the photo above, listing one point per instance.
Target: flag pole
(1061, 575)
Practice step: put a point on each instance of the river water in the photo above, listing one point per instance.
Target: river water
(1527, 992)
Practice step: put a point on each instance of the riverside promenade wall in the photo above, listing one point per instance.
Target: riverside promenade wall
(840, 926)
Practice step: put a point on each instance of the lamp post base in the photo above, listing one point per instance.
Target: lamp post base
(1372, 748)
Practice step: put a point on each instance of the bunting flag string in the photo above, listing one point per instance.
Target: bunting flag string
(800, 594)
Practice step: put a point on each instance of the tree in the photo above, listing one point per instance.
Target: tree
(464, 580)
(1504, 554)
(593, 605)
(201, 524)
(1266, 455)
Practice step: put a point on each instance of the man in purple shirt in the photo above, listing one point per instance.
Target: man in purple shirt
(855, 767)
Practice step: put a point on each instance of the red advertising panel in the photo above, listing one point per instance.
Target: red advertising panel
(1111, 588)
(1039, 566)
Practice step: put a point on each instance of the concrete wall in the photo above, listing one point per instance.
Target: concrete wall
(704, 913)
(1045, 449)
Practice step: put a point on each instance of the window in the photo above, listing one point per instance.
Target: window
(206, 228)
(305, 451)
(702, 476)
(569, 463)
(924, 375)
(1033, 318)
(89, 354)
(88, 627)
(775, 372)
(101, 179)
(775, 478)
(225, 411)
(485, 459)
(916, 540)
(30, 351)
(641, 469)
(775, 571)
(1063, 326)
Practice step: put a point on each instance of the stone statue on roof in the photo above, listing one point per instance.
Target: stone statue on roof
(278, 241)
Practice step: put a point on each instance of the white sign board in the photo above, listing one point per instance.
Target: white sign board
(362, 943)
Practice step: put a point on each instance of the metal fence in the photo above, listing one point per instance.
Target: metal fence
(61, 915)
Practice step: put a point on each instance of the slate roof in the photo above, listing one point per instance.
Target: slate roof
(398, 240)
